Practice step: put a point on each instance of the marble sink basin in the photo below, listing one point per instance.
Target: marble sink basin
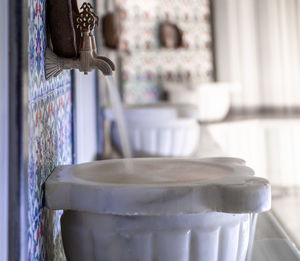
(157, 111)
(160, 129)
(160, 209)
(212, 99)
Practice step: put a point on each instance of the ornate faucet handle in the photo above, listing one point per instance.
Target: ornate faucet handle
(86, 19)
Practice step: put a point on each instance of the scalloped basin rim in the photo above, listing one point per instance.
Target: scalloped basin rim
(148, 172)
(158, 186)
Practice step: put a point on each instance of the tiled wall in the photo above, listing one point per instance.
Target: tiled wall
(146, 66)
(50, 141)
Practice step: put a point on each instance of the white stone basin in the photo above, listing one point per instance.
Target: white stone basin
(157, 111)
(160, 129)
(158, 209)
(212, 99)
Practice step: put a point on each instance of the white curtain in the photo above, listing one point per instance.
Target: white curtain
(258, 46)
(270, 147)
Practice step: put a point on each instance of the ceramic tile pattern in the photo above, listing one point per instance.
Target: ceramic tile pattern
(50, 105)
(50, 142)
(146, 66)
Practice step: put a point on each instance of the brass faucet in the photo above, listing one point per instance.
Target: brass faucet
(88, 58)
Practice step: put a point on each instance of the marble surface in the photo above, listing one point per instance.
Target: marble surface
(271, 242)
(188, 237)
(275, 235)
(287, 200)
(161, 130)
(164, 138)
(155, 186)
(142, 208)
(270, 143)
(262, 114)
(155, 111)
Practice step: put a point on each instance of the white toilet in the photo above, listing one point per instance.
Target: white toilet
(162, 209)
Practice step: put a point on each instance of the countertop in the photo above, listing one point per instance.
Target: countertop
(271, 241)
(242, 115)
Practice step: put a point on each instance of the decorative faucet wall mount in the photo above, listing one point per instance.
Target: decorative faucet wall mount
(88, 59)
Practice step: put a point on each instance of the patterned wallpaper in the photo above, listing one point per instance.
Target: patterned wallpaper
(50, 140)
(145, 66)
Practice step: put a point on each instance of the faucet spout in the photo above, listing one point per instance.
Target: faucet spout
(105, 66)
(96, 56)
(108, 61)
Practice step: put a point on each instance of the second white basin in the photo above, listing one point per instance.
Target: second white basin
(160, 129)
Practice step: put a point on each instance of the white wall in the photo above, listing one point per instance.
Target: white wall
(85, 117)
(4, 131)
(85, 112)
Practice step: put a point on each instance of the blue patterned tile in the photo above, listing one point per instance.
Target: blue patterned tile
(50, 141)
(50, 138)
(142, 54)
